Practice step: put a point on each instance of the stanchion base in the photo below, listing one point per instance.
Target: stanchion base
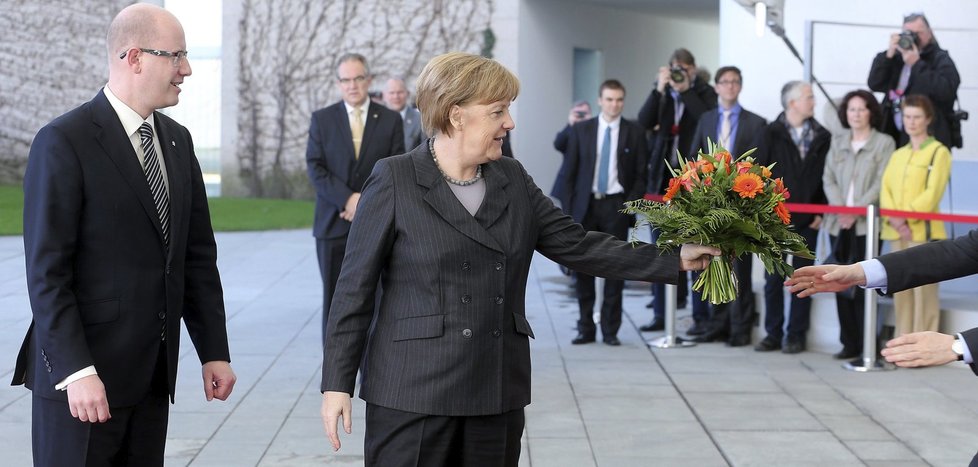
(665, 343)
(861, 366)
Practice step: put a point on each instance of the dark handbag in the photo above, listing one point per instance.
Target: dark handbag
(845, 251)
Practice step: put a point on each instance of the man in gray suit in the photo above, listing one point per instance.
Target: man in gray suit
(396, 97)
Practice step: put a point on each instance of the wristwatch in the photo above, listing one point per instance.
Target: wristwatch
(958, 348)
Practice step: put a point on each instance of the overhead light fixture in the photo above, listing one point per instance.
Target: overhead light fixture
(760, 18)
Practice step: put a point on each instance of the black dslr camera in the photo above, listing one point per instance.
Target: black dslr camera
(677, 74)
(907, 40)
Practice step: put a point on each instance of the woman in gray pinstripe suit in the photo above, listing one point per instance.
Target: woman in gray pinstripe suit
(449, 229)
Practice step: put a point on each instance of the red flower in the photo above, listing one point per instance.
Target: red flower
(748, 185)
(744, 167)
(705, 166)
(782, 211)
(672, 190)
(689, 178)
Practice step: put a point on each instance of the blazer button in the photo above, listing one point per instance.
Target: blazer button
(162, 315)
(168, 270)
(497, 333)
(467, 333)
(466, 299)
(498, 266)
(466, 266)
(499, 300)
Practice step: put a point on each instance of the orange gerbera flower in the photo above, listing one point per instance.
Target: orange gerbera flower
(674, 186)
(748, 185)
(782, 211)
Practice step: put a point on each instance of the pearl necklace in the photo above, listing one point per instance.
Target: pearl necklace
(478, 170)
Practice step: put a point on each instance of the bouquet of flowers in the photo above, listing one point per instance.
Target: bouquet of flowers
(731, 204)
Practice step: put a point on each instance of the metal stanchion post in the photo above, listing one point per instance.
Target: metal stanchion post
(869, 362)
(670, 340)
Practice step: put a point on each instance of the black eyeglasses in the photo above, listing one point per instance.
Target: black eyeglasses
(175, 57)
(356, 79)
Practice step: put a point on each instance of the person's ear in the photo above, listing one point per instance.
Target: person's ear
(455, 117)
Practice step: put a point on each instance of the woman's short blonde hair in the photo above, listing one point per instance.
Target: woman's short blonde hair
(458, 78)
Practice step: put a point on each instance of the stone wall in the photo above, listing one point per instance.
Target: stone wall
(285, 52)
(54, 58)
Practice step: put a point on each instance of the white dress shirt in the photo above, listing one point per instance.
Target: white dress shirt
(614, 187)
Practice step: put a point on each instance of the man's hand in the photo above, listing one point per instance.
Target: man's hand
(891, 49)
(87, 401)
(351, 207)
(811, 280)
(917, 349)
(336, 404)
(663, 80)
(218, 380)
(696, 257)
(911, 55)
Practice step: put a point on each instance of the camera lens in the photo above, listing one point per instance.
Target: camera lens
(677, 74)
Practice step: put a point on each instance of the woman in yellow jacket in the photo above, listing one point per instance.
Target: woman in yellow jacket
(915, 180)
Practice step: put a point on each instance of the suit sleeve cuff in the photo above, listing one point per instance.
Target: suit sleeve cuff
(875, 274)
(87, 371)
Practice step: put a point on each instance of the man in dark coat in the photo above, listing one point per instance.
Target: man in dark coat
(797, 144)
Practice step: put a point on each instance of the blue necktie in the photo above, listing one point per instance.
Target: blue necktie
(605, 162)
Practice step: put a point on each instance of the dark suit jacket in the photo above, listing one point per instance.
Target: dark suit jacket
(413, 136)
(451, 336)
(101, 283)
(934, 262)
(659, 110)
(581, 157)
(749, 135)
(559, 190)
(334, 171)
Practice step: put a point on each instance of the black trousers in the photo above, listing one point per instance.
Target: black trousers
(134, 436)
(798, 321)
(602, 215)
(330, 253)
(735, 318)
(394, 438)
(850, 304)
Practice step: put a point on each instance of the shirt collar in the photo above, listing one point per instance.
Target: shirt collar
(363, 107)
(613, 124)
(131, 121)
(735, 110)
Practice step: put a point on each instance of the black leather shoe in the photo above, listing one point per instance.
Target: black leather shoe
(768, 345)
(846, 354)
(650, 304)
(710, 336)
(654, 325)
(738, 341)
(583, 339)
(613, 341)
(792, 347)
(697, 329)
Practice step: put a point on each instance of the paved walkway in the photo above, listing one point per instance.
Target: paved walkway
(593, 405)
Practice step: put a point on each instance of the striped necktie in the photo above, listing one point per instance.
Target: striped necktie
(154, 176)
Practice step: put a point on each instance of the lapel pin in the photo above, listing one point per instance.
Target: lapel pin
(173, 143)
(375, 115)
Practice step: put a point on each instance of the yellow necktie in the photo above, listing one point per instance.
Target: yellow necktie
(356, 127)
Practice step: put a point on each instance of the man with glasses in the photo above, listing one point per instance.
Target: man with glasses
(737, 130)
(346, 139)
(119, 246)
(913, 63)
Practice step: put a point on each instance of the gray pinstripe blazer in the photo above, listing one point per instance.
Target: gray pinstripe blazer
(451, 336)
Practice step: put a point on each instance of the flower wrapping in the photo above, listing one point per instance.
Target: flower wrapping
(732, 204)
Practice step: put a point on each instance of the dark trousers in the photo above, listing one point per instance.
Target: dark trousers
(394, 438)
(701, 310)
(850, 304)
(735, 318)
(602, 215)
(798, 322)
(134, 436)
(330, 253)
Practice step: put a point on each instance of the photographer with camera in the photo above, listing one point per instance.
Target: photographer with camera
(914, 63)
(580, 111)
(671, 112)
